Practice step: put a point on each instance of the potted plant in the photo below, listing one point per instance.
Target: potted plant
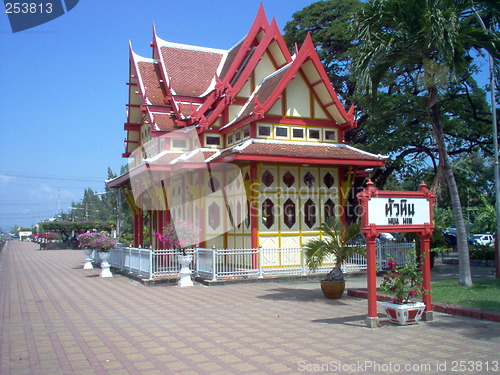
(405, 283)
(84, 242)
(102, 243)
(337, 241)
(180, 236)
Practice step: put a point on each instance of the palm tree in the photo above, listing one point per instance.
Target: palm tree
(337, 241)
(430, 39)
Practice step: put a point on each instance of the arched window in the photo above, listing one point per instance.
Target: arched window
(238, 214)
(267, 178)
(310, 213)
(214, 215)
(247, 220)
(309, 179)
(328, 180)
(267, 213)
(288, 179)
(329, 210)
(289, 213)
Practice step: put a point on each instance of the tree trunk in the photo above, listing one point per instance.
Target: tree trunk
(464, 273)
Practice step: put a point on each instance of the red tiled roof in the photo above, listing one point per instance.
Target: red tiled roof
(190, 71)
(294, 150)
(229, 59)
(164, 121)
(151, 76)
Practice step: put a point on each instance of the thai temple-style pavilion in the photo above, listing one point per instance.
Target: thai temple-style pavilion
(246, 143)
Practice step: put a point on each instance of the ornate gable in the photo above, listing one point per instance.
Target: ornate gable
(256, 89)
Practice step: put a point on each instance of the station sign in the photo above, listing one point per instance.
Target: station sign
(398, 211)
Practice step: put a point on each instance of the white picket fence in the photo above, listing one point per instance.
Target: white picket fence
(217, 264)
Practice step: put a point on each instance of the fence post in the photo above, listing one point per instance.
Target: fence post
(303, 261)
(129, 259)
(140, 261)
(261, 271)
(151, 255)
(214, 264)
(196, 261)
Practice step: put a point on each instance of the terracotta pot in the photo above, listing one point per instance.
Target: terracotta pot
(333, 289)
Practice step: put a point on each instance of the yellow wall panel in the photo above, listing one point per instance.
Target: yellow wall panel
(318, 111)
(234, 109)
(297, 98)
(264, 68)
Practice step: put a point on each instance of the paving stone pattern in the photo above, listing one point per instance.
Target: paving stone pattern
(57, 318)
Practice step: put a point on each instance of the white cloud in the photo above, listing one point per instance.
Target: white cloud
(6, 179)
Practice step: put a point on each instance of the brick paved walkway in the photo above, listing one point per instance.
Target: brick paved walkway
(57, 318)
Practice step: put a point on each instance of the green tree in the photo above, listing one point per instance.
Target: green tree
(486, 218)
(326, 21)
(395, 123)
(431, 39)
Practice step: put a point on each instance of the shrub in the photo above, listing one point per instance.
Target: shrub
(482, 252)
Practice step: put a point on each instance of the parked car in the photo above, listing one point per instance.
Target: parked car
(482, 239)
(451, 237)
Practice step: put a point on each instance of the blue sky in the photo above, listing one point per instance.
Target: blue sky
(62, 103)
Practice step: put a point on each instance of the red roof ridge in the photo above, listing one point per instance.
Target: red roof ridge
(164, 43)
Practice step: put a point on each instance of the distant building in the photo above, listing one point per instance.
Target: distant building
(270, 120)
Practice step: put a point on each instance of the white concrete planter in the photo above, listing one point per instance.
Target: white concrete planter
(87, 265)
(408, 313)
(105, 271)
(185, 272)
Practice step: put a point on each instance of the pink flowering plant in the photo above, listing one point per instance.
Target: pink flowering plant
(179, 235)
(43, 237)
(404, 282)
(97, 241)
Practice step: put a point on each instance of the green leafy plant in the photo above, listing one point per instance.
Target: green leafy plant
(404, 282)
(482, 252)
(337, 241)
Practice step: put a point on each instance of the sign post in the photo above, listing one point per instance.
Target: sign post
(396, 211)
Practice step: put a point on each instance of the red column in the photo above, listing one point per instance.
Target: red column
(202, 181)
(426, 270)
(254, 215)
(158, 228)
(140, 229)
(371, 273)
(136, 230)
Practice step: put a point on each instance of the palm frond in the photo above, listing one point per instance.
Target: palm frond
(335, 241)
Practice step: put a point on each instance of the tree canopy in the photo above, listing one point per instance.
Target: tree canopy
(411, 64)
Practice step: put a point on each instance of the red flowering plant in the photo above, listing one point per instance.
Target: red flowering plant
(179, 235)
(404, 282)
(97, 241)
(43, 237)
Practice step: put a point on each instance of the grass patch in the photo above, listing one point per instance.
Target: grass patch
(484, 294)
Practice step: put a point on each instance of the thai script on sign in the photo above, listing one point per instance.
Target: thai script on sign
(400, 209)
(394, 211)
